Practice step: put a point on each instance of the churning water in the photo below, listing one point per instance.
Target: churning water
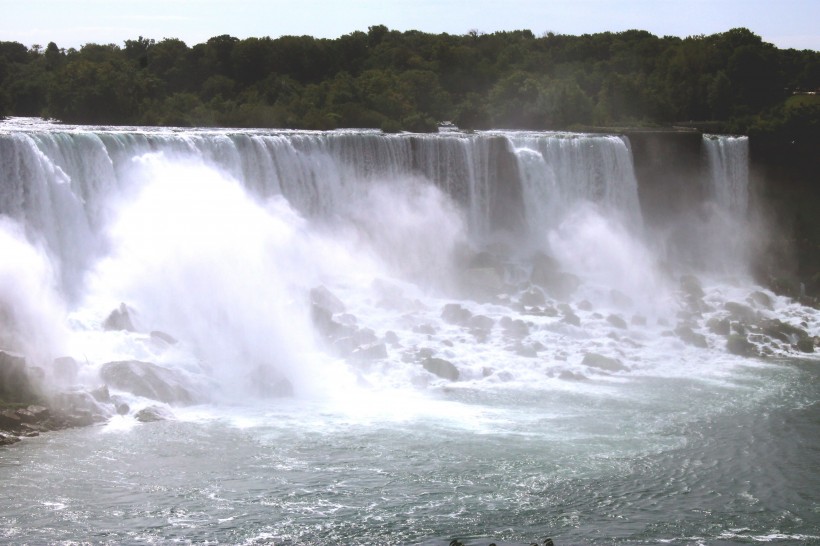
(396, 339)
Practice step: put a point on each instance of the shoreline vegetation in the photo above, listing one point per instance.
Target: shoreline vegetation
(411, 81)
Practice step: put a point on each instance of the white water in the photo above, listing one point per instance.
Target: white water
(217, 238)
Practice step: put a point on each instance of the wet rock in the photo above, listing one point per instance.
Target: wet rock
(514, 328)
(719, 326)
(638, 320)
(805, 345)
(391, 338)
(8, 439)
(602, 362)
(120, 319)
(269, 382)
(571, 318)
(481, 322)
(365, 336)
(453, 313)
(739, 345)
(617, 321)
(122, 408)
(740, 312)
(148, 380)
(327, 327)
(15, 380)
(533, 297)
(65, 369)
(9, 420)
(761, 299)
(375, 351)
(689, 336)
(691, 287)
(427, 329)
(557, 284)
(162, 336)
(584, 305)
(619, 298)
(101, 394)
(322, 297)
(154, 413)
(782, 331)
(442, 368)
(483, 282)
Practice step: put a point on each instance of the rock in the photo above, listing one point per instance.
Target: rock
(740, 312)
(148, 380)
(481, 322)
(8, 439)
(119, 319)
(327, 327)
(616, 321)
(638, 320)
(15, 381)
(391, 338)
(65, 369)
(483, 282)
(739, 345)
(784, 332)
(442, 368)
(761, 299)
(427, 329)
(719, 326)
(269, 382)
(689, 336)
(9, 420)
(805, 345)
(365, 336)
(80, 408)
(619, 298)
(557, 284)
(375, 351)
(602, 362)
(533, 297)
(162, 336)
(584, 305)
(101, 394)
(690, 286)
(453, 313)
(571, 318)
(154, 413)
(122, 408)
(514, 328)
(324, 298)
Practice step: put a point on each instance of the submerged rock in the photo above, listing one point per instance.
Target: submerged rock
(602, 362)
(442, 368)
(738, 345)
(154, 413)
(148, 380)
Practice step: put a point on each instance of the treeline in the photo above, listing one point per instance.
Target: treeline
(411, 80)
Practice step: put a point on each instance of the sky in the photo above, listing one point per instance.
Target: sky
(72, 23)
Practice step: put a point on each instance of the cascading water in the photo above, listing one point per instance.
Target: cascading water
(404, 339)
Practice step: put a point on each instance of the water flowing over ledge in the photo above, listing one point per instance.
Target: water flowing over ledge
(522, 288)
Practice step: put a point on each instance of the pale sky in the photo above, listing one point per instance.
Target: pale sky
(72, 23)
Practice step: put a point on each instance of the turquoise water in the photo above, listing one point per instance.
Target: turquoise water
(654, 461)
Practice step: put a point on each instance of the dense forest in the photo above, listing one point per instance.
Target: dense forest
(412, 80)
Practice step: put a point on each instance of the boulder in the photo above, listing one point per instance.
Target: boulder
(689, 336)
(515, 328)
(119, 319)
(691, 287)
(761, 299)
(148, 380)
(324, 298)
(738, 345)
(483, 282)
(65, 369)
(442, 368)
(391, 338)
(8, 439)
(481, 323)
(15, 381)
(595, 360)
(782, 331)
(740, 312)
(638, 320)
(617, 321)
(533, 297)
(374, 351)
(557, 284)
(719, 326)
(453, 313)
(154, 413)
(805, 345)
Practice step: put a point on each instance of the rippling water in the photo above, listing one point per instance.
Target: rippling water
(651, 462)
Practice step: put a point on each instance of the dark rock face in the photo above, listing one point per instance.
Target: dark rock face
(148, 380)
(119, 319)
(15, 383)
(739, 345)
(442, 368)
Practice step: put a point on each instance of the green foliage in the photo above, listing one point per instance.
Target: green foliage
(410, 80)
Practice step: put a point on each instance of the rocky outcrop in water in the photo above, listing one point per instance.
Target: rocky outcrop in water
(148, 380)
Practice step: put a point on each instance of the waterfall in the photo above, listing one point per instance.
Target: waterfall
(728, 181)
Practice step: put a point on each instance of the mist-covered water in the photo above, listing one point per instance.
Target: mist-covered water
(396, 339)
